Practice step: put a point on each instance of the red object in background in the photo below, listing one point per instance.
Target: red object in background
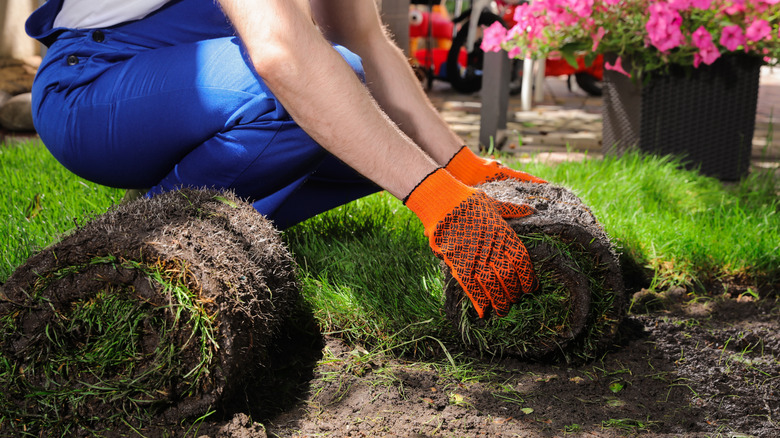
(559, 67)
(437, 30)
(419, 25)
(434, 30)
(509, 17)
(439, 59)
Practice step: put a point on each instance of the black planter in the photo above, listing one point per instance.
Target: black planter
(706, 115)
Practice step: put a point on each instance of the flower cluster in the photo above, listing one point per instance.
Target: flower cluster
(652, 33)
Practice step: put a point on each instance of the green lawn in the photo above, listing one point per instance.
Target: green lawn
(367, 271)
(41, 201)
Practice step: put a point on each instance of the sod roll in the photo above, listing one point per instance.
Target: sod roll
(581, 301)
(159, 310)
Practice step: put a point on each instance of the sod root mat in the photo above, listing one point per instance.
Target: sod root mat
(581, 300)
(159, 310)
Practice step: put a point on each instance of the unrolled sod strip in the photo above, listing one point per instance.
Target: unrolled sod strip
(160, 309)
(581, 301)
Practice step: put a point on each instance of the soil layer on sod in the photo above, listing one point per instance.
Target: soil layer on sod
(581, 301)
(157, 311)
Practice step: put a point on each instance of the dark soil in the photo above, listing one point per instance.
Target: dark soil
(705, 367)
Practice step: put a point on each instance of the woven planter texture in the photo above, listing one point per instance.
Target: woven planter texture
(705, 115)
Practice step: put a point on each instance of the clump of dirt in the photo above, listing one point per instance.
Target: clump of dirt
(157, 311)
(581, 302)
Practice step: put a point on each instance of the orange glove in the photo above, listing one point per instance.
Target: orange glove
(466, 229)
(473, 170)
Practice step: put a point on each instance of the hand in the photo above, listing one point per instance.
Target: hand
(473, 170)
(467, 230)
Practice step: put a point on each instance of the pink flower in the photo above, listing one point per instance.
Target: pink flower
(522, 11)
(736, 7)
(530, 19)
(597, 38)
(514, 32)
(701, 38)
(617, 66)
(680, 5)
(583, 8)
(732, 37)
(663, 27)
(706, 54)
(758, 30)
(558, 12)
(492, 37)
(515, 52)
(685, 31)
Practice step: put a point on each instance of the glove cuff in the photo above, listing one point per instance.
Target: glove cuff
(473, 170)
(436, 196)
(468, 167)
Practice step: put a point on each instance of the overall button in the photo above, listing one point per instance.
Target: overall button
(98, 36)
(73, 60)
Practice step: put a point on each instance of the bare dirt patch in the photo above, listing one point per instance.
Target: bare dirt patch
(705, 368)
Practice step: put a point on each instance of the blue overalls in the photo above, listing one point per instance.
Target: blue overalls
(172, 101)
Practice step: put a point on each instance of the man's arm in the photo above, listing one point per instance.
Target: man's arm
(322, 93)
(356, 25)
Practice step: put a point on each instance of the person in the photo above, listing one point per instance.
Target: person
(263, 97)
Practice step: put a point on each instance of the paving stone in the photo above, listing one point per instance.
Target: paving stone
(16, 75)
(461, 118)
(569, 122)
(16, 113)
(4, 96)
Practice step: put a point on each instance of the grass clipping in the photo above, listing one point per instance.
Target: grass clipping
(581, 301)
(160, 310)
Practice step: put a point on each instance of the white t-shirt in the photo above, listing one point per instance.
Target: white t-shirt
(90, 14)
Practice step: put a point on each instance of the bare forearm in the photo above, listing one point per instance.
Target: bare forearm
(324, 96)
(396, 88)
(338, 112)
(356, 25)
